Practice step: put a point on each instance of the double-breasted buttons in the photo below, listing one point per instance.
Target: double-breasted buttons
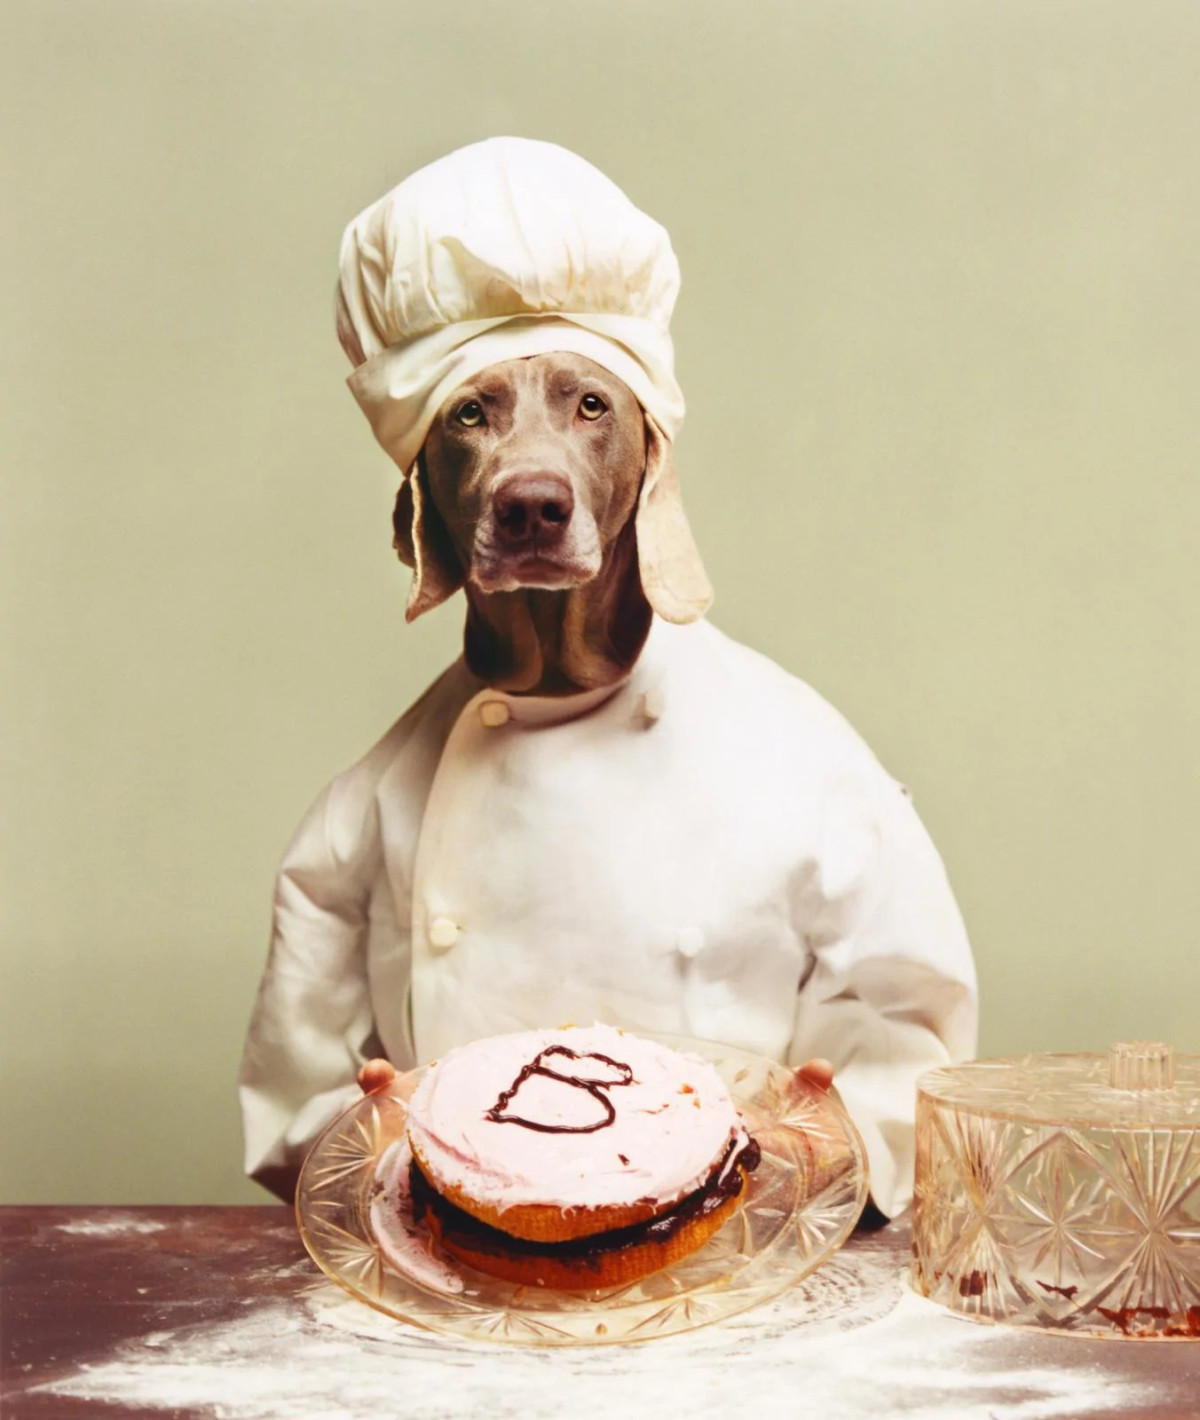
(494, 714)
(689, 942)
(443, 933)
(652, 705)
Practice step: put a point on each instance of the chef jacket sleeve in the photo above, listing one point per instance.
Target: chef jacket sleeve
(312, 1026)
(890, 991)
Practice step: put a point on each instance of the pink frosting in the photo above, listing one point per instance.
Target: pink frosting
(671, 1124)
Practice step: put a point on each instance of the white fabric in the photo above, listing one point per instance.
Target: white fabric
(737, 867)
(505, 249)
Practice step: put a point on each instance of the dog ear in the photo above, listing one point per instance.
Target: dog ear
(402, 523)
(673, 576)
(422, 543)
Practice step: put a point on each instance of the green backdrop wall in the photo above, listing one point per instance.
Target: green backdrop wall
(939, 336)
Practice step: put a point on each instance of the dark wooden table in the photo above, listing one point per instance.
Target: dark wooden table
(217, 1312)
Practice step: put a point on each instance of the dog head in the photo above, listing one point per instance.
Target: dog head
(534, 473)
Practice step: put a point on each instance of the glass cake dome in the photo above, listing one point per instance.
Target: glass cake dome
(1063, 1191)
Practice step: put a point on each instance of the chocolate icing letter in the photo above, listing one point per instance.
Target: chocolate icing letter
(595, 1087)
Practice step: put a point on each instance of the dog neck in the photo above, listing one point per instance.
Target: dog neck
(536, 642)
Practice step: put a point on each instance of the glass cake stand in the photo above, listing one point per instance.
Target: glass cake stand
(1063, 1192)
(801, 1204)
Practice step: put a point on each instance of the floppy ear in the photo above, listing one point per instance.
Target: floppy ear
(422, 543)
(673, 577)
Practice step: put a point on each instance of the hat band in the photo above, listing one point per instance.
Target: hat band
(401, 389)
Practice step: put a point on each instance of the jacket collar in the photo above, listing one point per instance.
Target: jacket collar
(535, 711)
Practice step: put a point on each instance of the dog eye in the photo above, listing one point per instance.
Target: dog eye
(591, 406)
(471, 414)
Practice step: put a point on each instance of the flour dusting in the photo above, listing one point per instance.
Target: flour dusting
(851, 1343)
(110, 1227)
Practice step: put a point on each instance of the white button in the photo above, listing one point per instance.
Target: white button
(443, 933)
(653, 705)
(494, 713)
(689, 941)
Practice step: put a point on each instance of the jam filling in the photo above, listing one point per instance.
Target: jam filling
(724, 1182)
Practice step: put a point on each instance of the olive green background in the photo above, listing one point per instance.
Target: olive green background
(940, 336)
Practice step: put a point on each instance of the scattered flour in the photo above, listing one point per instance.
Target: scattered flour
(111, 1227)
(851, 1343)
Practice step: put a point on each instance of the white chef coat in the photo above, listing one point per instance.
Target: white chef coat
(707, 849)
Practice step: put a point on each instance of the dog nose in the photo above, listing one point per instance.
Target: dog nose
(533, 508)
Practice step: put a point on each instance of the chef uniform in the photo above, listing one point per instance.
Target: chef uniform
(705, 848)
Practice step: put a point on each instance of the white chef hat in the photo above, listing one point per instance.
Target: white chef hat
(501, 250)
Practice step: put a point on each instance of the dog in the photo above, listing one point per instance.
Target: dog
(604, 809)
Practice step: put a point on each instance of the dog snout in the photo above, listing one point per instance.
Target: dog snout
(533, 509)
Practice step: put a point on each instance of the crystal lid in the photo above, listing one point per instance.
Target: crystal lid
(1137, 1085)
(1063, 1191)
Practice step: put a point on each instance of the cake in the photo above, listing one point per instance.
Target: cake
(575, 1158)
